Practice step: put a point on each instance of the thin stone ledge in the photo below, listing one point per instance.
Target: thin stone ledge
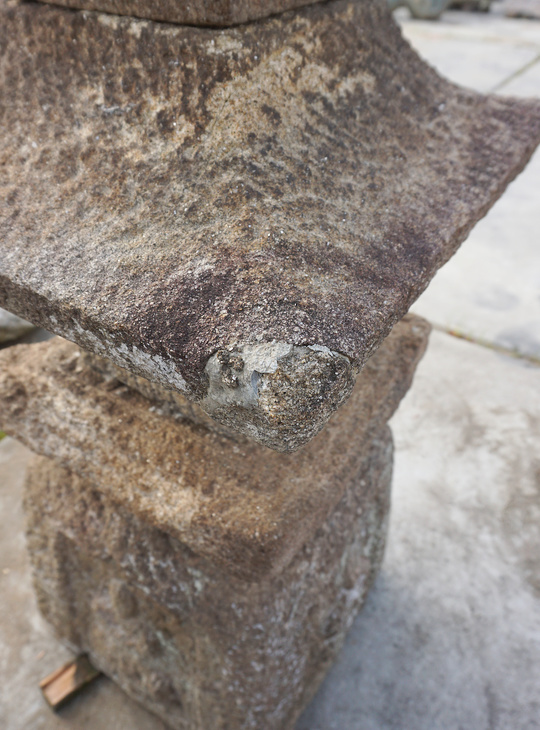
(189, 12)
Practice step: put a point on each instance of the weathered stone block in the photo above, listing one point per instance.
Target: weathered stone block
(197, 646)
(212, 578)
(240, 215)
(244, 507)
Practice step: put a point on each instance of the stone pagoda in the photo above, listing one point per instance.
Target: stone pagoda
(227, 207)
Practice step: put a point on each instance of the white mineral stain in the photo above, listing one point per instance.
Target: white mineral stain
(152, 367)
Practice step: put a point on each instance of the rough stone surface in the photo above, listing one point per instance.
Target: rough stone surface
(169, 194)
(170, 402)
(455, 609)
(189, 12)
(243, 506)
(197, 647)
(12, 327)
(306, 377)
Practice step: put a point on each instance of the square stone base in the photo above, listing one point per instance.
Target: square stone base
(197, 646)
(212, 578)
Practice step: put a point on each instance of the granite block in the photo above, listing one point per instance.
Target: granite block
(243, 506)
(195, 645)
(243, 214)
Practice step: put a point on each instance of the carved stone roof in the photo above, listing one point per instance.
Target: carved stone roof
(243, 214)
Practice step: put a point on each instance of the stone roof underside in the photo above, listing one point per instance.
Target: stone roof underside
(190, 12)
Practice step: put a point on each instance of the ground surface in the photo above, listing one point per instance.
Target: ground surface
(450, 636)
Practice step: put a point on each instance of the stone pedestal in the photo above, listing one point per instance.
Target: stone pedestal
(212, 578)
(197, 646)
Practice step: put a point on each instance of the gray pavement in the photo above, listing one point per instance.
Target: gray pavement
(450, 636)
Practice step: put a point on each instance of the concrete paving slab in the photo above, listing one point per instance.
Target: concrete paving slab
(450, 637)
(475, 61)
(526, 83)
(477, 27)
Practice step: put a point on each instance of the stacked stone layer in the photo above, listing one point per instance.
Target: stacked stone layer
(240, 214)
(244, 507)
(198, 647)
(212, 578)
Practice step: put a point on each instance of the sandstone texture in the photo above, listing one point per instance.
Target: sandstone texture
(240, 215)
(12, 327)
(189, 12)
(238, 504)
(201, 648)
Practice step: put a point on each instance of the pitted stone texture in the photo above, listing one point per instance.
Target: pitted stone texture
(12, 327)
(189, 12)
(241, 505)
(197, 647)
(168, 193)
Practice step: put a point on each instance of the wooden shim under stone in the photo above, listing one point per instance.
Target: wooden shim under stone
(63, 684)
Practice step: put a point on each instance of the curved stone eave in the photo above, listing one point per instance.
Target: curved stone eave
(170, 193)
(217, 13)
